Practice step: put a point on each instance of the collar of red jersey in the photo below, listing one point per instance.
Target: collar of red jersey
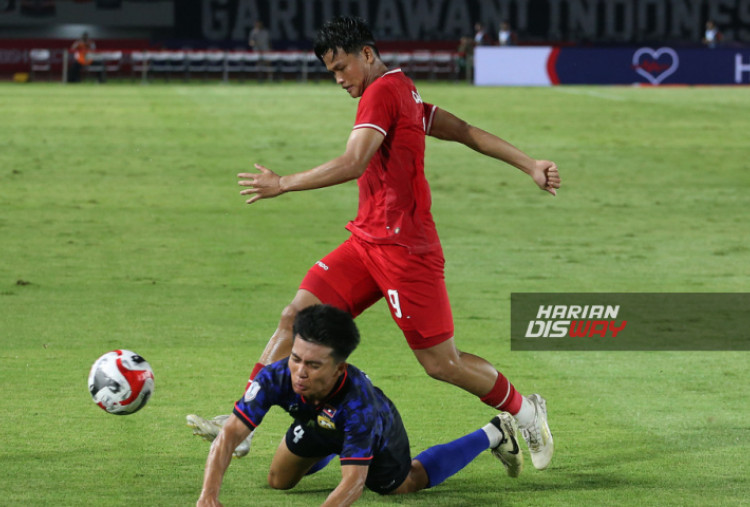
(392, 71)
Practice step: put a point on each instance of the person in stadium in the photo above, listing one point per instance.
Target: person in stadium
(712, 35)
(506, 36)
(81, 50)
(480, 35)
(394, 251)
(260, 42)
(259, 39)
(338, 411)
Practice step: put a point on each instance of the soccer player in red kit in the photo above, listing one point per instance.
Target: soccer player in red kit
(394, 250)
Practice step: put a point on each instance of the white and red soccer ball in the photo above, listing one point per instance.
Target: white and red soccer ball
(121, 382)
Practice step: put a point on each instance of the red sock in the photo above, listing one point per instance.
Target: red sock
(503, 396)
(256, 369)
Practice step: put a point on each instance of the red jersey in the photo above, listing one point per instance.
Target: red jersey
(394, 196)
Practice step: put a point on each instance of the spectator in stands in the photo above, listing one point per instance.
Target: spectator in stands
(81, 50)
(480, 36)
(260, 40)
(712, 36)
(465, 50)
(506, 36)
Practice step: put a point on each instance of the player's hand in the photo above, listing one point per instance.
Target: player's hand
(263, 185)
(546, 176)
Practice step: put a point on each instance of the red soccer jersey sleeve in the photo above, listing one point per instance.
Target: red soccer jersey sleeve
(429, 115)
(378, 112)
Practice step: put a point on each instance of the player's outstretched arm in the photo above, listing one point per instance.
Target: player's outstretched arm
(219, 457)
(361, 146)
(350, 488)
(452, 128)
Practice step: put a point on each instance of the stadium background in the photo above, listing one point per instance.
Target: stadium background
(399, 25)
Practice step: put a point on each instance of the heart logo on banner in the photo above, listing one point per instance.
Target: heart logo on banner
(655, 64)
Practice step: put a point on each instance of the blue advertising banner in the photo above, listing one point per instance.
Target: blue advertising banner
(655, 66)
(544, 66)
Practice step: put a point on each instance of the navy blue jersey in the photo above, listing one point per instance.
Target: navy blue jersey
(356, 420)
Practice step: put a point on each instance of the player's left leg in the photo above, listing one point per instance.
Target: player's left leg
(302, 451)
(287, 468)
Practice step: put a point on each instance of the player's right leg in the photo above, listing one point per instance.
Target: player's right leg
(419, 304)
(477, 376)
(208, 430)
(537, 434)
(280, 344)
(339, 279)
(278, 347)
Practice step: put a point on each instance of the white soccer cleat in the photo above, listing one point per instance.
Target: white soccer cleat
(538, 435)
(244, 447)
(508, 451)
(220, 419)
(209, 429)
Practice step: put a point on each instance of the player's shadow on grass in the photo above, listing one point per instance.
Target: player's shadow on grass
(468, 493)
(300, 490)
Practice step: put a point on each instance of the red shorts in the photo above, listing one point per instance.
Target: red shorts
(357, 274)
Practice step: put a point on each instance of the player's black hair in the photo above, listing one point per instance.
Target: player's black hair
(328, 326)
(348, 33)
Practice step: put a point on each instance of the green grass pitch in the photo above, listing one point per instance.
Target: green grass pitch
(121, 226)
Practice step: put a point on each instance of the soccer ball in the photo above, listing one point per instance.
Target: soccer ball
(121, 382)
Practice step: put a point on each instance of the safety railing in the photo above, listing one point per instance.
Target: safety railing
(186, 65)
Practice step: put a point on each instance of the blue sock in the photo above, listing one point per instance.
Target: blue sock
(320, 465)
(442, 461)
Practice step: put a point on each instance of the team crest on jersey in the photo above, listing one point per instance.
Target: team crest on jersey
(325, 418)
(252, 392)
(325, 423)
